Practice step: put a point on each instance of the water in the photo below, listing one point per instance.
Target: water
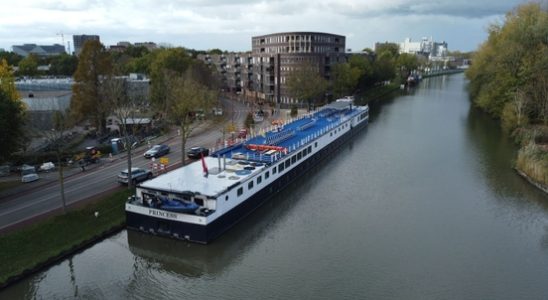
(422, 205)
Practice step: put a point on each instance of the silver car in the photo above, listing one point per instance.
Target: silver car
(137, 175)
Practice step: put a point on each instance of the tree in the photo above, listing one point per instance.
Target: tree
(351, 76)
(28, 66)
(406, 63)
(306, 84)
(12, 114)
(12, 58)
(63, 64)
(93, 65)
(384, 66)
(164, 64)
(514, 58)
(184, 97)
(55, 138)
(126, 109)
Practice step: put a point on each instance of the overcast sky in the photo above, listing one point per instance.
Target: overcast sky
(230, 24)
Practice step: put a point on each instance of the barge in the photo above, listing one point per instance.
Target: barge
(200, 201)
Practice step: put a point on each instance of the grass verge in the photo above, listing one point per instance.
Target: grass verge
(39, 245)
(5, 185)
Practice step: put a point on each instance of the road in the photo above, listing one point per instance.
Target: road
(43, 198)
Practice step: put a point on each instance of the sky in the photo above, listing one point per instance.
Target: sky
(230, 24)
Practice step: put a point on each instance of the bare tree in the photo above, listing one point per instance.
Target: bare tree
(520, 106)
(55, 137)
(125, 108)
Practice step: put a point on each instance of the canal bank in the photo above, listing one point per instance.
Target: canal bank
(39, 246)
(423, 205)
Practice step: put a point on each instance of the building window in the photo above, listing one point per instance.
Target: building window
(240, 191)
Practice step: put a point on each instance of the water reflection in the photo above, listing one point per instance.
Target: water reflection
(494, 151)
(159, 254)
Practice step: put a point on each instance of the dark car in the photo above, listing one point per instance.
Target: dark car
(196, 152)
(137, 175)
(157, 151)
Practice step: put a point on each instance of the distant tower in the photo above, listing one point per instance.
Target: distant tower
(79, 41)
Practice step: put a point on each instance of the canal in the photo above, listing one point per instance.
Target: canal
(424, 204)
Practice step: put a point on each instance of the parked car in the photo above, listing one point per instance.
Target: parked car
(26, 169)
(30, 177)
(197, 152)
(137, 175)
(157, 151)
(217, 111)
(47, 166)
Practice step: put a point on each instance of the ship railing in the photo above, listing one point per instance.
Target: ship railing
(263, 157)
(307, 125)
(279, 137)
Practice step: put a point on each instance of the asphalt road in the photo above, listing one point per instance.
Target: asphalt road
(42, 198)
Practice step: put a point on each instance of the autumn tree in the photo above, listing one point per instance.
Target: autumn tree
(12, 114)
(184, 97)
(306, 84)
(93, 66)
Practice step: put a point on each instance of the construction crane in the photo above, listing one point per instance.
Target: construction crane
(63, 41)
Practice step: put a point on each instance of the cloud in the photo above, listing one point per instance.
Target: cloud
(229, 24)
(462, 8)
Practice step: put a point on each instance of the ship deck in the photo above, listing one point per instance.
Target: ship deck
(235, 164)
(270, 145)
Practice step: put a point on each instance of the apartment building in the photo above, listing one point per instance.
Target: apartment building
(263, 72)
(79, 41)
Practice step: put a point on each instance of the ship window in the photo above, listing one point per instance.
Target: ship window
(266, 175)
(250, 185)
(259, 179)
(281, 167)
(315, 144)
(274, 170)
(293, 159)
(287, 163)
(309, 149)
(331, 134)
(240, 191)
(226, 198)
(299, 155)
